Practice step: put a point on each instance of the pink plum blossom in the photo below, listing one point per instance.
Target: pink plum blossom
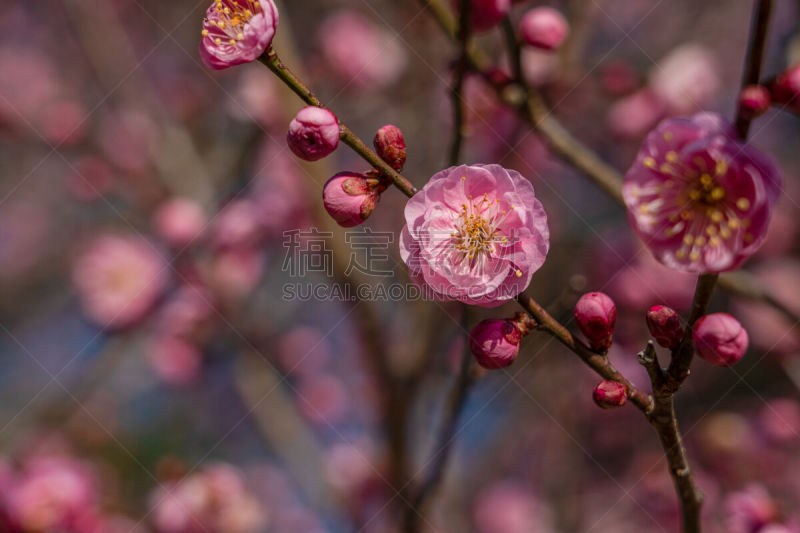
(119, 279)
(509, 507)
(475, 234)
(237, 32)
(698, 198)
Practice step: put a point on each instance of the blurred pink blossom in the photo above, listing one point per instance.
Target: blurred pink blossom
(686, 79)
(119, 279)
(360, 52)
(174, 360)
(507, 507)
(213, 500)
(179, 221)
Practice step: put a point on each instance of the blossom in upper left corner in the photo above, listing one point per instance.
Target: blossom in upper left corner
(475, 234)
(237, 31)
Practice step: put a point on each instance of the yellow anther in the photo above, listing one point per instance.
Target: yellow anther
(706, 179)
(204, 33)
(649, 162)
(700, 241)
(711, 230)
(672, 156)
(733, 223)
(681, 254)
(218, 41)
(519, 273)
(714, 241)
(717, 193)
(743, 204)
(687, 215)
(694, 194)
(716, 215)
(240, 36)
(688, 239)
(722, 168)
(668, 136)
(694, 256)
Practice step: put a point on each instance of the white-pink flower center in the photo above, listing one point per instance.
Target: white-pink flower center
(231, 21)
(476, 228)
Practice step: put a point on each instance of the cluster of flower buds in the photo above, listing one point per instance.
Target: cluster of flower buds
(596, 316)
(495, 342)
(350, 197)
(544, 28)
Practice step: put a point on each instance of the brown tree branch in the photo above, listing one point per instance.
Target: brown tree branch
(273, 62)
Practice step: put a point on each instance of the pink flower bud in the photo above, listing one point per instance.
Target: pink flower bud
(544, 27)
(754, 101)
(665, 326)
(610, 394)
(313, 134)
(495, 343)
(785, 90)
(596, 315)
(720, 339)
(391, 146)
(349, 198)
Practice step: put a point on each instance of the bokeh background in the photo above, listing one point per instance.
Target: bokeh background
(153, 378)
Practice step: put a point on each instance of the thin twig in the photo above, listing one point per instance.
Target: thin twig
(273, 62)
(597, 362)
(457, 92)
(755, 57)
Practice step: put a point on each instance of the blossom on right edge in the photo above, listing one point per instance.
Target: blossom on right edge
(699, 199)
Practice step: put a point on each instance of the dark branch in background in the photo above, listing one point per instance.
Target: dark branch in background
(457, 93)
(271, 60)
(755, 57)
(456, 402)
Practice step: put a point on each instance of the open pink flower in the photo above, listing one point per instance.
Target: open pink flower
(119, 279)
(237, 31)
(475, 234)
(697, 197)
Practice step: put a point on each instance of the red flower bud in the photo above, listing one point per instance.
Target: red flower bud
(754, 101)
(785, 89)
(391, 146)
(665, 326)
(313, 134)
(495, 343)
(596, 315)
(610, 394)
(720, 339)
